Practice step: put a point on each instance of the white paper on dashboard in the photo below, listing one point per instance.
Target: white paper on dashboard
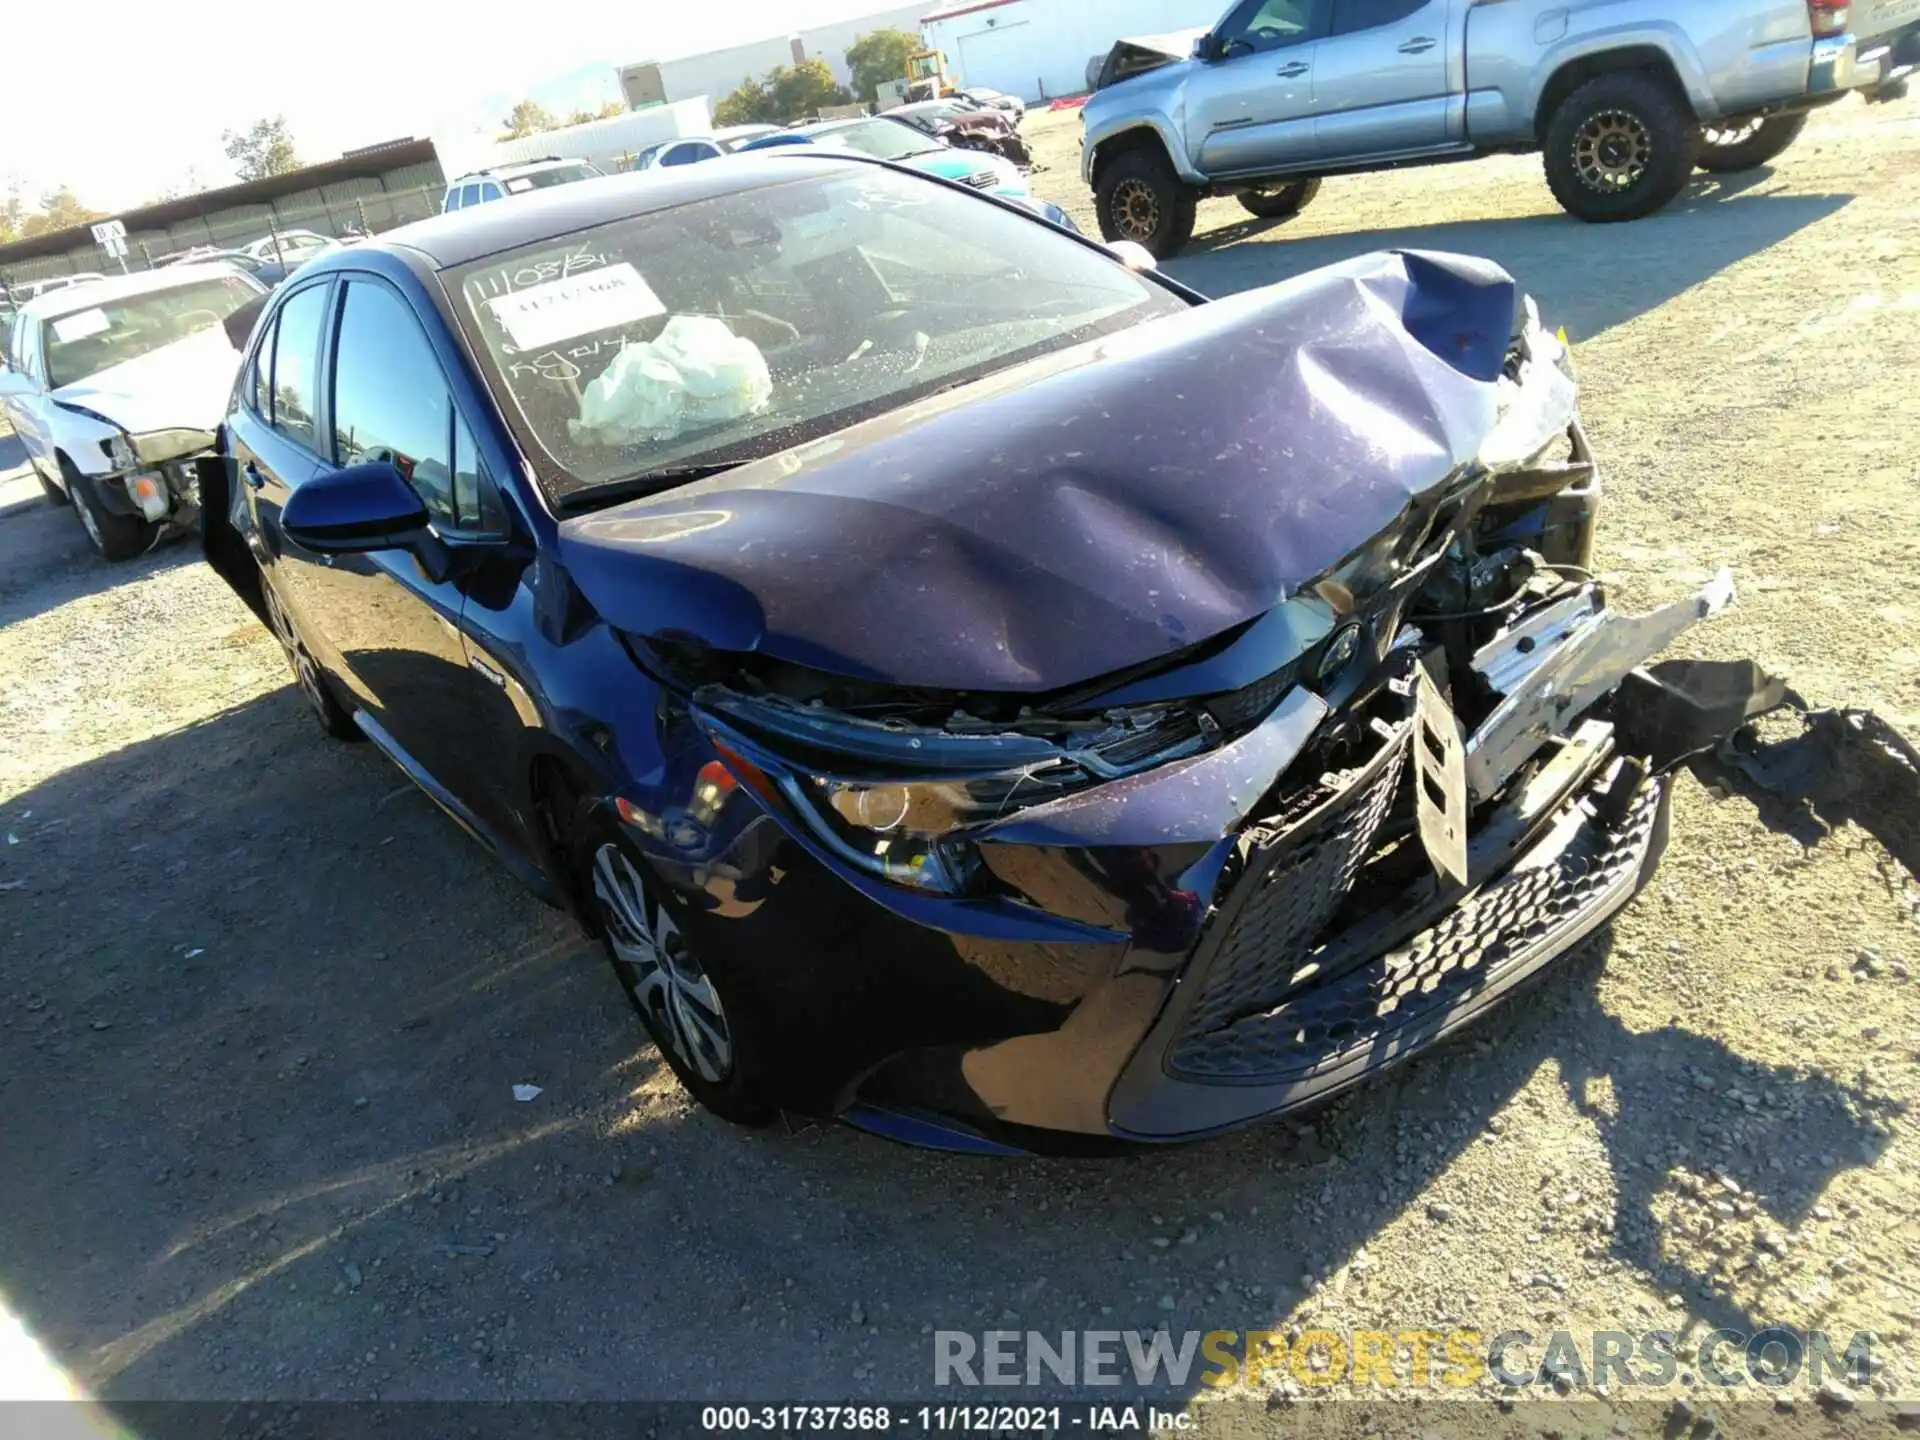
(582, 304)
(81, 325)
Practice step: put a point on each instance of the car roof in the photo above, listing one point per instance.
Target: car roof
(464, 235)
(122, 287)
(528, 167)
(829, 127)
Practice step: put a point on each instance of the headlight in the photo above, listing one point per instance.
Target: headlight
(159, 445)
(120, 453)
(908, 832)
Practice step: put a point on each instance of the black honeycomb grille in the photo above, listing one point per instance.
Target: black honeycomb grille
(1466, 949)
(1300, 880)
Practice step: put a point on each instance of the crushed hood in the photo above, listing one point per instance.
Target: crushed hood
(1086, 512)
(1138, 54)
(185, 385)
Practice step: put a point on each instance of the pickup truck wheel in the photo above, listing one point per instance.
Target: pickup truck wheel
(1729, 149)
(1620, 147)
(1279, 202)
(1139, 198)
(116, 537)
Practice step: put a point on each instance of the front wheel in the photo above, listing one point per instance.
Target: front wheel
(1620, 147)
(700, 1024)
(1279, 202)
(1747, 145)
(116, 537)
(1139, 198)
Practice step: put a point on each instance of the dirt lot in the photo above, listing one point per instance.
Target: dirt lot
(261, 1007)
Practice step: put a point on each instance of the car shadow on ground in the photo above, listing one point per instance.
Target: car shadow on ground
(266, 1008)
(46, 559)
(1588, 278)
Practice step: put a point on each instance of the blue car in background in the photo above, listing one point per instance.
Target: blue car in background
(895, 141)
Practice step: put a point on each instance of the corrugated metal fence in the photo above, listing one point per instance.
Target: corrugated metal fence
(366, 205)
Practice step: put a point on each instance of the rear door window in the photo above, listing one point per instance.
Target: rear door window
(1353, 16)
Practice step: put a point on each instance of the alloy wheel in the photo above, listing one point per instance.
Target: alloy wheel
(1136, 209)
(306, 673)
(669, 984)
(1612, 151)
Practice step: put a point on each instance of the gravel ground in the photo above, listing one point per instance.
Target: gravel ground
(262, 1008)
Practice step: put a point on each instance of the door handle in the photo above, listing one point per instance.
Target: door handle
(253, 476)
(1293, 71)
(1419, 45)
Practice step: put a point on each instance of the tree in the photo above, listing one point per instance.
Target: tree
(13, 212)
(803, 89)
(59, 210)
(528, 118)
(749, 104)
(786, 94)
(605, 112)
(878, 57)
(264, 148)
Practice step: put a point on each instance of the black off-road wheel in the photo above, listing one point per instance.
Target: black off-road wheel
(1279, 202)
(1620, 147)
(1747, 145)
(1138, 197)
(333, 717)
(703, 1020)
(116, 537)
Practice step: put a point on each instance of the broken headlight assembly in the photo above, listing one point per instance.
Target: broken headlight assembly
(894, 801)
(909, 832)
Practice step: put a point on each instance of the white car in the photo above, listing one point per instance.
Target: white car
(33, 289)
(293, 249)
(116, 386)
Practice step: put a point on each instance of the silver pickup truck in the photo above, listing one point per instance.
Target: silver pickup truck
(1624, 97)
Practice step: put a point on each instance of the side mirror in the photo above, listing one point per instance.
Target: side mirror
(1133, 255)
(354, 511)
(1207, 48)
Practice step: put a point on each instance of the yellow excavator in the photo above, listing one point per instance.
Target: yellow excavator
(927, 76)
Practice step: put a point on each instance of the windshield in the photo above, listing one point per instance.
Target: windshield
(738, 326)
(89, 339)
(882, 139)
(541, 179)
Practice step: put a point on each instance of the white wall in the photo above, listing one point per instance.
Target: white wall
(718, 72)
(1040, 48)
(602, 142)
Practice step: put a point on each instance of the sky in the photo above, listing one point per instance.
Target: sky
(345, 73)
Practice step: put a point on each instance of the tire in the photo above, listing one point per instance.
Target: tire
(1139, 198)
(1279, 202)
(701, 1020)
(308, 678)
(1757, 143)
(116, 537)
(1620, 147)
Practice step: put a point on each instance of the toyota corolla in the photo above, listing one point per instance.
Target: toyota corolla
(975, 687)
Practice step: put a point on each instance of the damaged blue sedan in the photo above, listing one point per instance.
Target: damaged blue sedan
(974, 686)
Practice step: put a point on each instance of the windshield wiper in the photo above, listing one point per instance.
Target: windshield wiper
(650, 482)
